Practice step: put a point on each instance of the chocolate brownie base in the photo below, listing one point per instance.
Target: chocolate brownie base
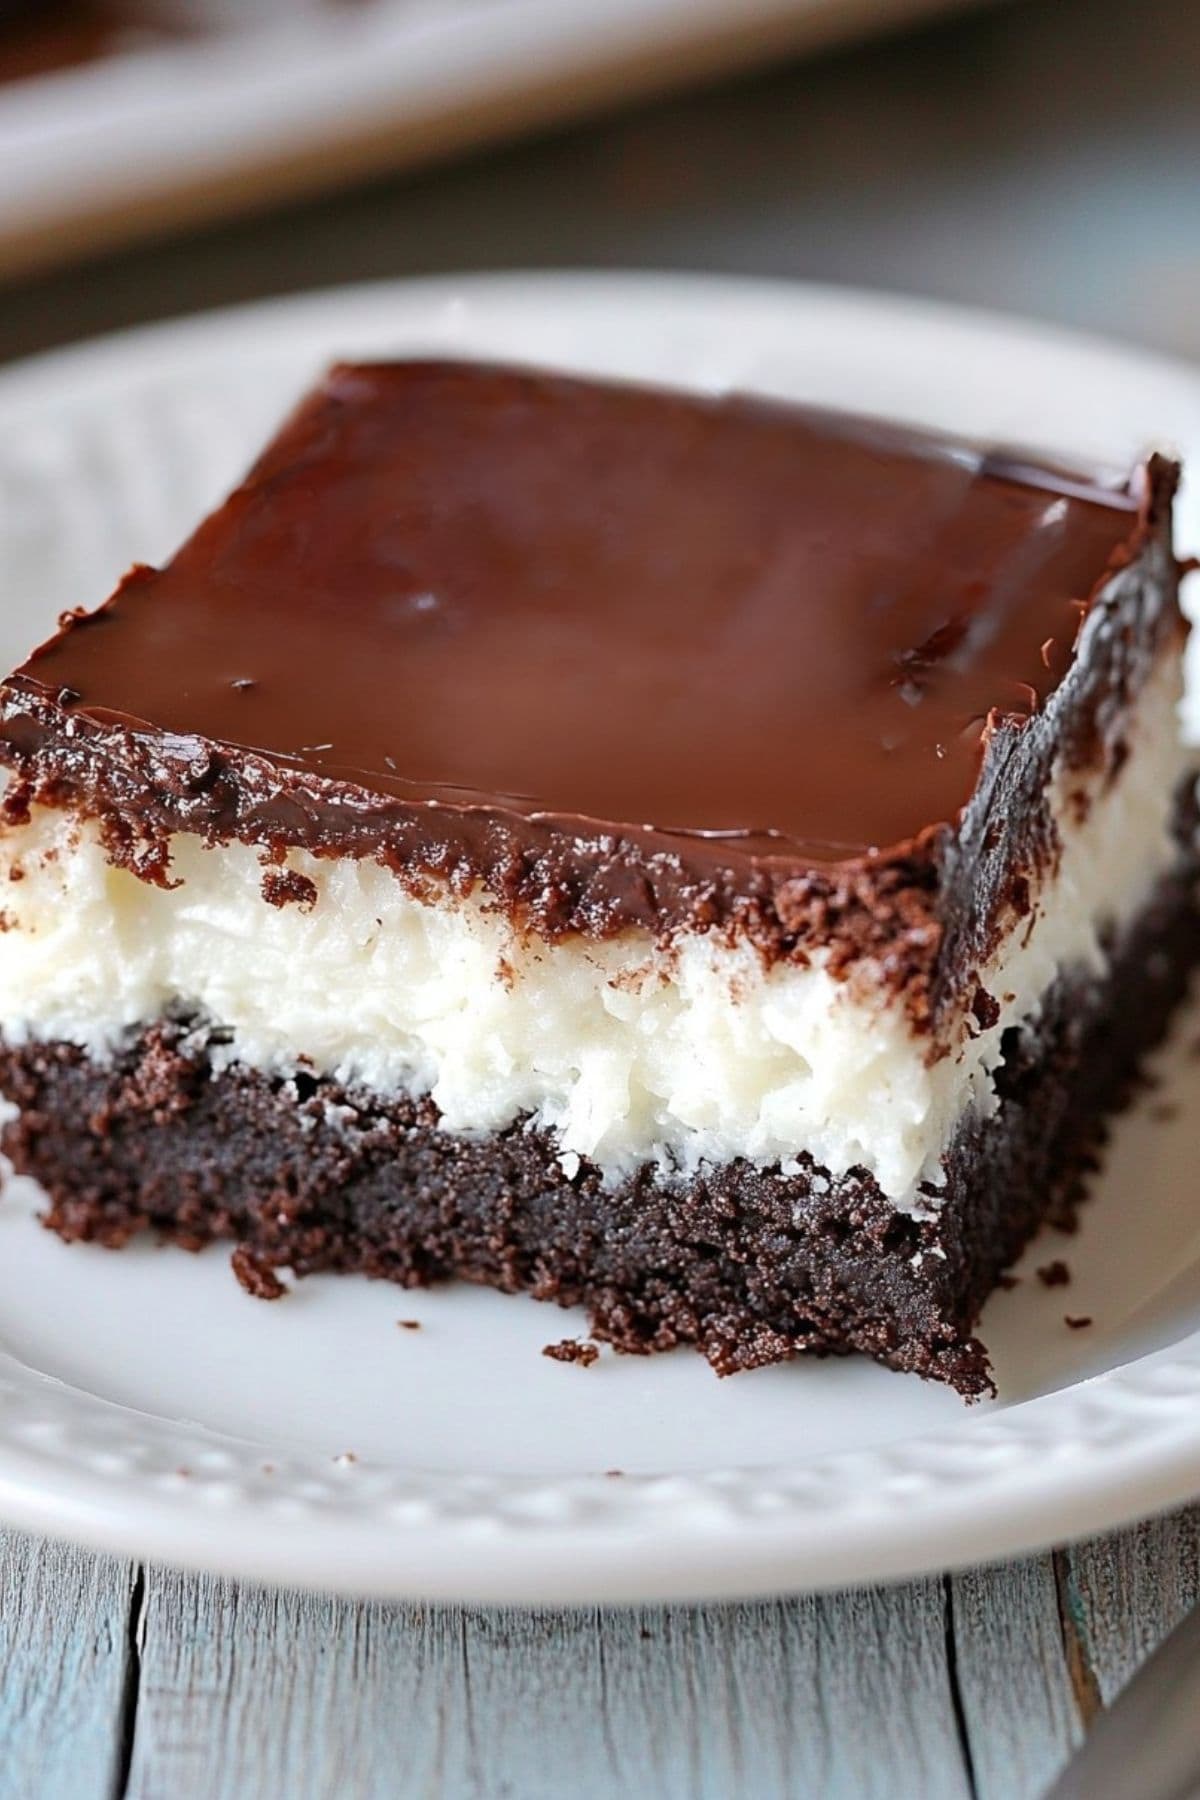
(750, 1266)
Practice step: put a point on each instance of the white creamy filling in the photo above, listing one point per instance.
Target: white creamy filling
(626, 1052)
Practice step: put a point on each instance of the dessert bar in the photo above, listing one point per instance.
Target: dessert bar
(705, 859)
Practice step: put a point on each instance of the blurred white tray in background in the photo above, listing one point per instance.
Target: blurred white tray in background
(294, 98)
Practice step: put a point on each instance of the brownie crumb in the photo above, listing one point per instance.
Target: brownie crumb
(256, 1276)
(1008, 1282)
(1163, 1111)
(288, 887)
(409, 1324)
(570, 1350)
(1077, 1323)
(1054, 1274)
(985, 1007)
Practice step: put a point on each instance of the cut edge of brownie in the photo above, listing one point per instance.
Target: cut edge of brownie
(751, 1266)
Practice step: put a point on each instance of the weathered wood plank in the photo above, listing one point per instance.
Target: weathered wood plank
(772, 1699)
(879, 1694)
(246, 1692)
(1123, 1594)
(65, 1664)
(1018, 1702)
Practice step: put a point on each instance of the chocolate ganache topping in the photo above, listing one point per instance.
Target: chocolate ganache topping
(609, 608)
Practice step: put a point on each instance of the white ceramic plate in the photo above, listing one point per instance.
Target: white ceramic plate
(148, 1406)
(304, 95)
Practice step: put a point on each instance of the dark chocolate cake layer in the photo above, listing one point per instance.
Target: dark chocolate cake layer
(751, 1266)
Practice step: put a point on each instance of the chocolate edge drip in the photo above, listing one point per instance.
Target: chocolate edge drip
(1007, 838)
(142, 790)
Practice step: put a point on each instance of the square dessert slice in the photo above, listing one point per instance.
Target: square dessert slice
(704, 859)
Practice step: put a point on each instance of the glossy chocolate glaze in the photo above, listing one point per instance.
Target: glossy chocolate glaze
(626, 659)
(618, 607)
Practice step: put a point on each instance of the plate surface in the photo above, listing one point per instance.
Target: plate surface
(148, 1406)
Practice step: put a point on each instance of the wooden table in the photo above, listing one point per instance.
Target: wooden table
(169, 1687)
(1041, 158)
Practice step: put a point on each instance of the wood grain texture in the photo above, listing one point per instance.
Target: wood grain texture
(244, 1692)
(1019, 1708)
(1123, 1594)
(164, 1684)
(65, 1663)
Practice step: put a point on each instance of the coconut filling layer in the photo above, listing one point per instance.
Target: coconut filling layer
(626, 1052)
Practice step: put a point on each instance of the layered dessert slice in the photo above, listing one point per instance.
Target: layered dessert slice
(704, 859)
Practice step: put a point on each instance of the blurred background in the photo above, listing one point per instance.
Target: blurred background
(1037, 156)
